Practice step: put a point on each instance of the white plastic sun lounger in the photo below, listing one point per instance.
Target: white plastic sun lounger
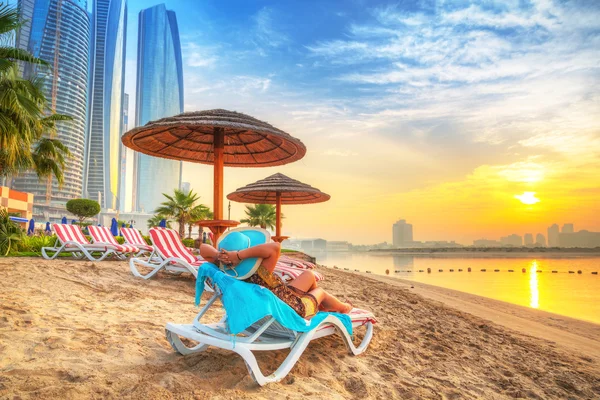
(172, 255)
(133, 237)
(101, 235)
(70, 239)
(265, 335)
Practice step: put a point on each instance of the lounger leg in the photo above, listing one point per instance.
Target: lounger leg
(180, 347)
(136, 272)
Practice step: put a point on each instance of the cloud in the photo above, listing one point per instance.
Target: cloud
(339, 153)
(199, 56)
(265, 33)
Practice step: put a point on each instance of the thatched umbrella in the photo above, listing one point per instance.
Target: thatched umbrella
(218, 137)
(278, 189)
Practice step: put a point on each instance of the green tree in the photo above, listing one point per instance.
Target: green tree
(10, 232)
(83, 208)
(155, 221)
(263, 215)
(25, 117)
(181, 207)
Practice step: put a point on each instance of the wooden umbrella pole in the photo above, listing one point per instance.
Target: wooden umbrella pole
(278, 215)
(219, 146)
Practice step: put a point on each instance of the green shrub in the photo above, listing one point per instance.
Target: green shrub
(120, 239)
(10, 233)
(189, 243)
(35, 243)
(147, 239)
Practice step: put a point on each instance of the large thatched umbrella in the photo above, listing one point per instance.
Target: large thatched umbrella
(218, 137)
(278, 189)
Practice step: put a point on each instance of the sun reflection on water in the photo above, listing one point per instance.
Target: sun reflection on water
(534, 295)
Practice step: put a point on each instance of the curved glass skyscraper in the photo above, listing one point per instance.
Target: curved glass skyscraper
(159, 94)
(39, 36)
(109, 26)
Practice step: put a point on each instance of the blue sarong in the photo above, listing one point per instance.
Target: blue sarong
(246, 303)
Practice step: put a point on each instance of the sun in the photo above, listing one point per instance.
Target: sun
(527, 198)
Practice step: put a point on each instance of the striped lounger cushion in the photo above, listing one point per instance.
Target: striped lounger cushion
(134, 237)
(103, 235)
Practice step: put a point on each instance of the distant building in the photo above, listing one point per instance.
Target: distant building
(127, 188)
(159, 94)
(102, 173)
(338, 246)
(553, 236)
(311, 245)
(38, 36)
(402, 234)
(579, 239)
(567, 228)
(186, 187)
(528, 238)
(540, 240)
(486, 243)
(512, 240)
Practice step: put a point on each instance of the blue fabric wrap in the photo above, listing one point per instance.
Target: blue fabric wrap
(246, 303)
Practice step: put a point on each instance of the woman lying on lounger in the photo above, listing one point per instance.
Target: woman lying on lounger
(302, 293)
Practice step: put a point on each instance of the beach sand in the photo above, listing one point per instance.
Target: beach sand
(77, 329)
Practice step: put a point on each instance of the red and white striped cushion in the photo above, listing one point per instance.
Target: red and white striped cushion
(102, 234)
(293, 262)
(169, 245)
(134, 237)
(69, 233)
(295, 272)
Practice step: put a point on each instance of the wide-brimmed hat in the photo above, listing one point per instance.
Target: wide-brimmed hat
(240, 239)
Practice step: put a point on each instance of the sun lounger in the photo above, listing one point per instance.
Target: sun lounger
(289, 273)
(172, 255)
(101, 235)
(133, 237)
(264, 335)
(70, 239)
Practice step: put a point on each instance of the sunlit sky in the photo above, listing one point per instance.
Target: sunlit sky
(437, 112)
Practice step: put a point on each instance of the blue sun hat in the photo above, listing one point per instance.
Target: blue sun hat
(240, 239)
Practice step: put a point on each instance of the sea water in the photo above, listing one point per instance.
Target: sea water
(570, 294)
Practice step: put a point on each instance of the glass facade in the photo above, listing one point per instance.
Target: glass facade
(159, 94)
(107, 69)
(39, 37)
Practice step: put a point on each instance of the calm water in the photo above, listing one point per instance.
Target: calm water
(573, 295)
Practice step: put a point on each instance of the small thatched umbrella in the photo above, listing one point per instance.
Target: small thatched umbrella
(278, 189)
(218, 137)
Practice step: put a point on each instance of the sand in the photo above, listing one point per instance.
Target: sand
(76, 329)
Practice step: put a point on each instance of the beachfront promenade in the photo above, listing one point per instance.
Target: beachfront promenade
(77, 329)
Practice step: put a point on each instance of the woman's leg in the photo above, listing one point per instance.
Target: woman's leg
(305, 282)
(328, 302)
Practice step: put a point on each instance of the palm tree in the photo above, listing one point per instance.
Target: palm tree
(181, 207)
(25, 117)
(263, 215)
(199, 213)
(155, 221)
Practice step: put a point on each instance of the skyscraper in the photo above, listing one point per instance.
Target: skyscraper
(107, 70)
(528, 238)
(126, 186)
(568, 228)
(402, 233)
(553, 236)
(540, 240)
(67, 90)
(159, 94)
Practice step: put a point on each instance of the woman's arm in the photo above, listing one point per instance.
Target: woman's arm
(209, 253)
(269, 252)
